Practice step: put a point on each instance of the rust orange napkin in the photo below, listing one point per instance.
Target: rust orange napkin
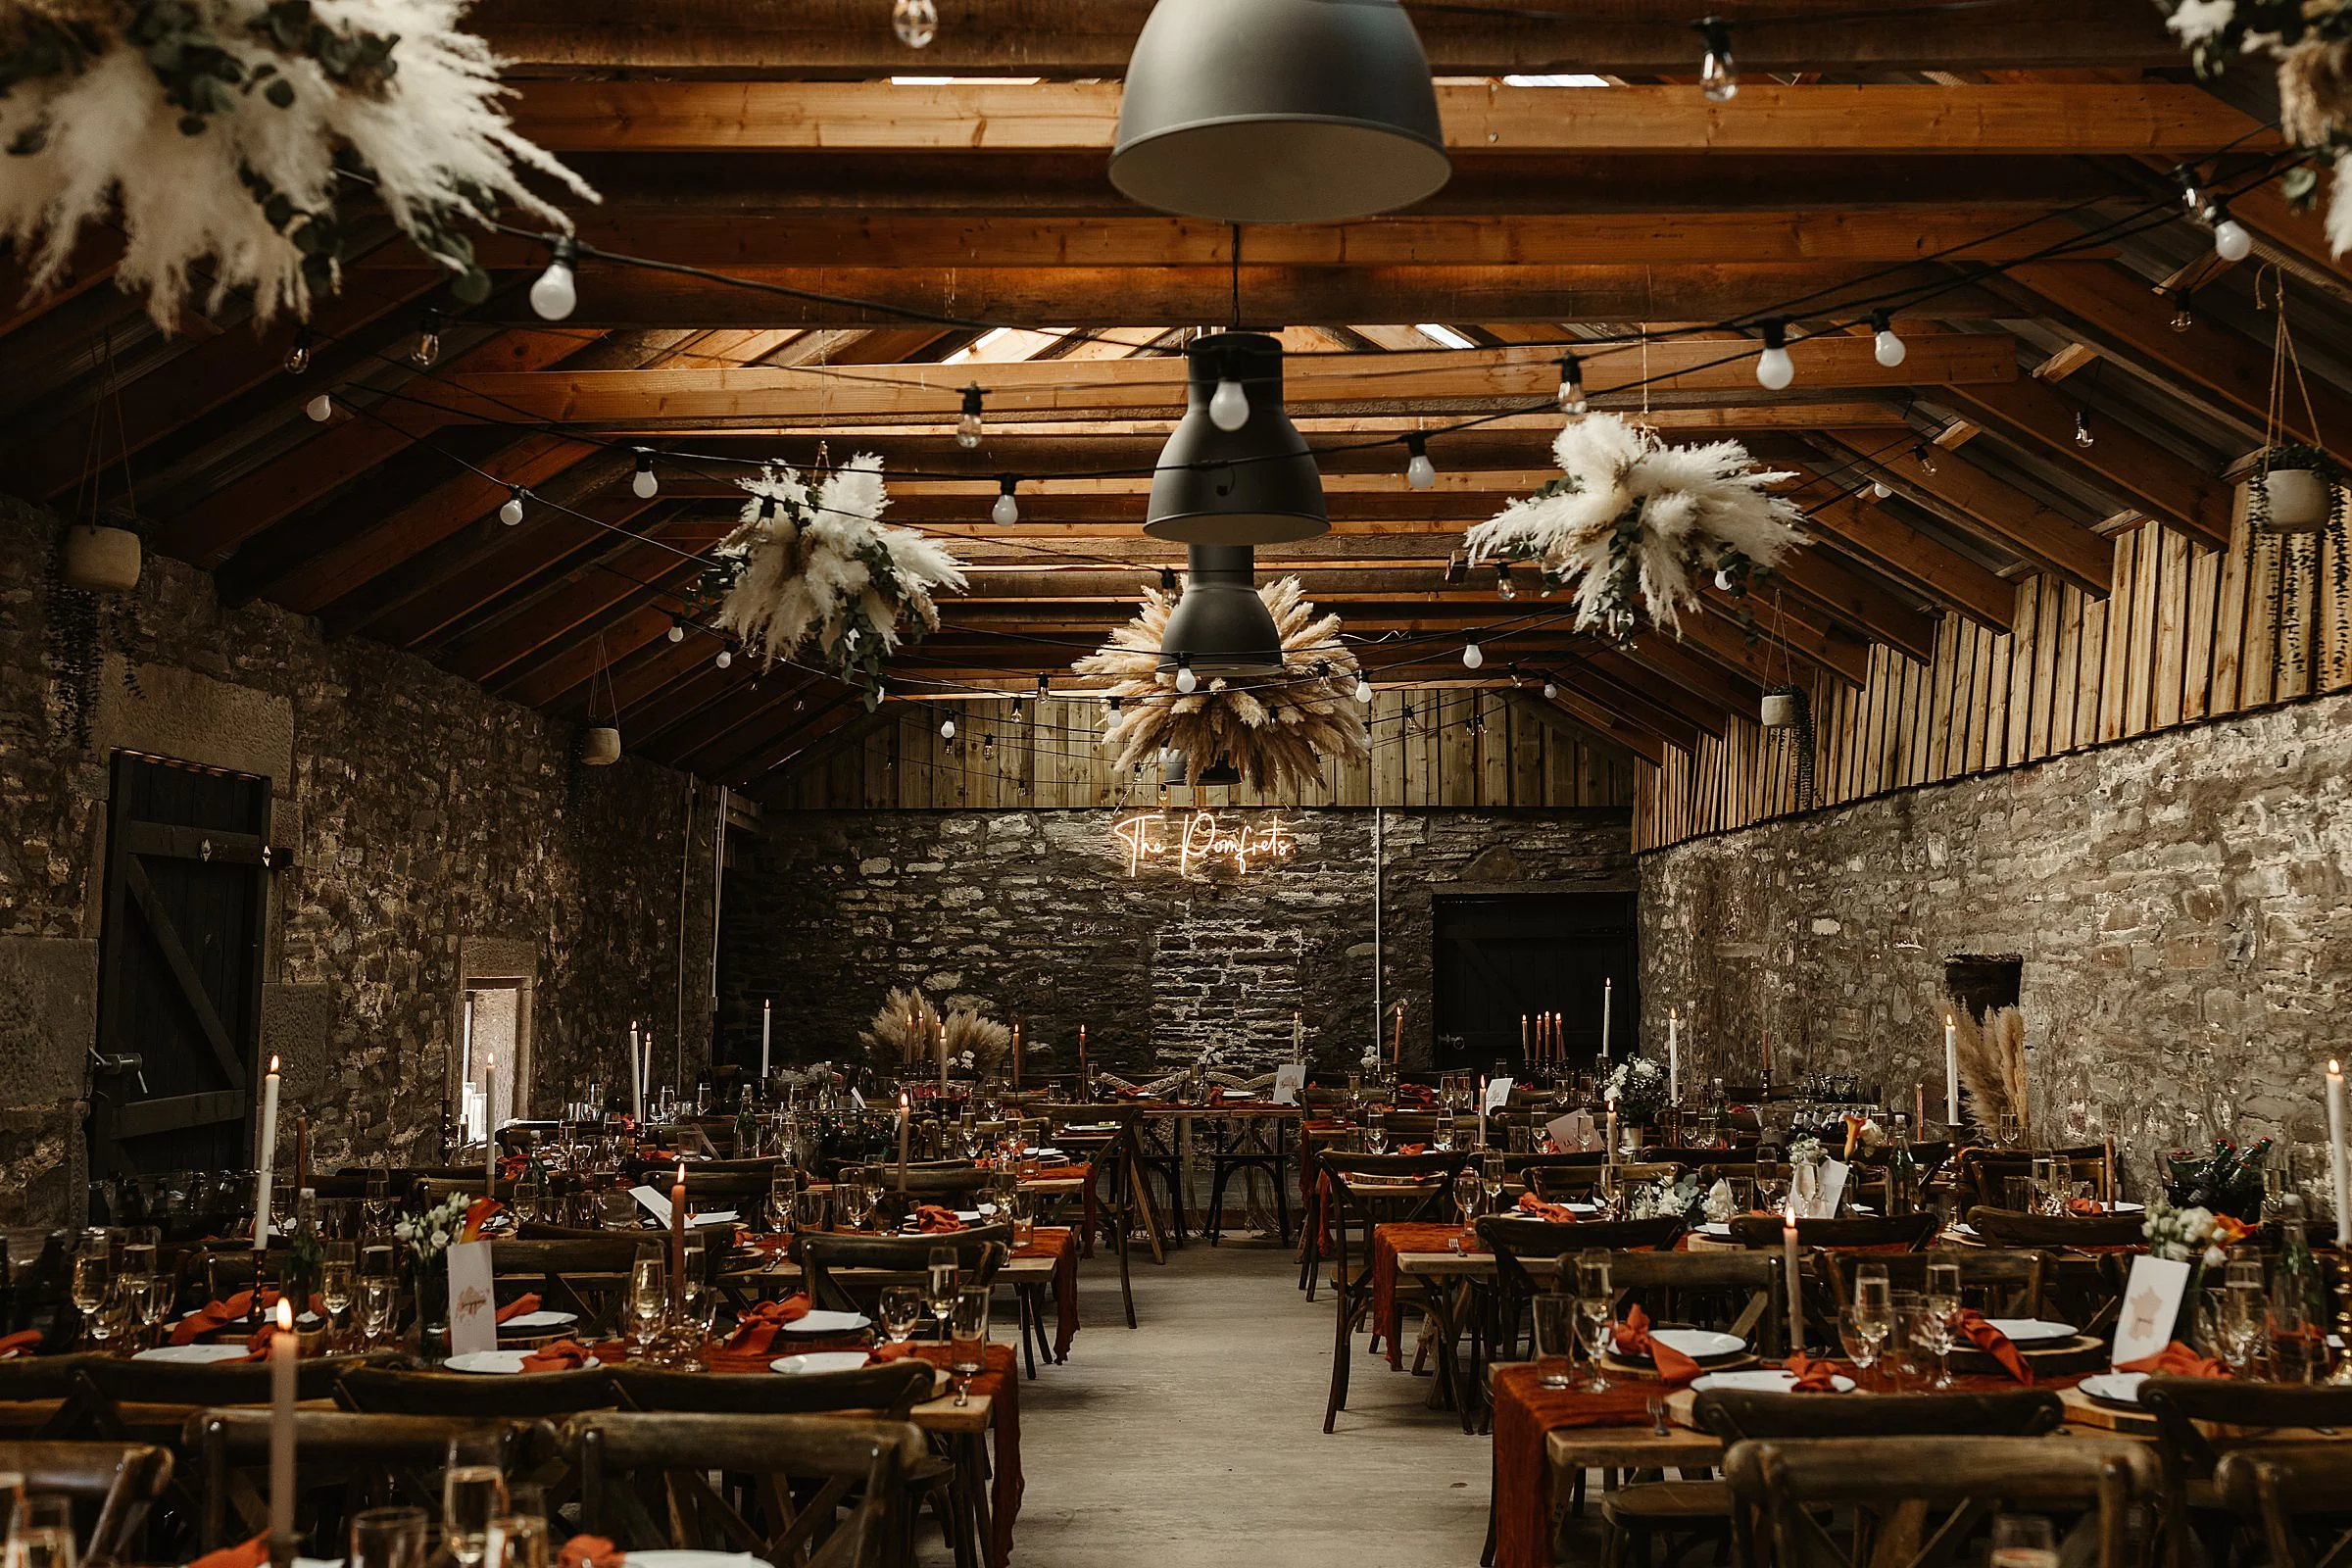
(244, 1554)
(212, 1318)
(521, 1306)
(933, 1220)
(1557, 1214)
(756, 1329)
(2177, 1360)
(563, 1356)
(1813, 1374)
(1994, 1342)
(20, 1343)
(1634, 1339)
(589, 1552)
(478, 1214)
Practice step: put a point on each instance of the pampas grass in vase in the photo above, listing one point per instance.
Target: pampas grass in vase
(1992, 1065)
(899, 1037)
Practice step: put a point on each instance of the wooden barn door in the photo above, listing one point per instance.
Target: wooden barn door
(180, 971)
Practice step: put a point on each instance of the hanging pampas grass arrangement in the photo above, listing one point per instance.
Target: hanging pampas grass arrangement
(814, 570)
(1632, 522)
(1992, 1065)
(1276, 729)
(223, 133)
(2311, 41)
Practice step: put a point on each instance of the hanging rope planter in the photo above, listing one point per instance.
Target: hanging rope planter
(2294, 499)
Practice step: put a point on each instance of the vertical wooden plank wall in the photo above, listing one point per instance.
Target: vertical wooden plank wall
(1424, 751)
(2187, 634)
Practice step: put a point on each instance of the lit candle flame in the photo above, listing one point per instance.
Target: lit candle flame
(2334, 1070)
(273, 1064)
(286, 1314)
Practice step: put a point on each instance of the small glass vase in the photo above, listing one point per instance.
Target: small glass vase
(430, 1336)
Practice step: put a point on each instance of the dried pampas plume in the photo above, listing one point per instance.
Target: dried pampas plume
(1276, 729)
(1992, 1065)
(906, 1031)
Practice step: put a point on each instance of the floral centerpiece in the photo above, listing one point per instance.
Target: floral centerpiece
(1638, 1089)
(2223, 1178)
(2191, 1235)
(428, 1237)
(1671, 1197)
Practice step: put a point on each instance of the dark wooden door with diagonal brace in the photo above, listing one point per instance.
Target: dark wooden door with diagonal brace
(179, 972)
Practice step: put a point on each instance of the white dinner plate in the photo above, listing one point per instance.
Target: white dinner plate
(2032, 1330)
(822, 1322)
(498, 1363)
(717, 1217)
(1700, 1345)
(693, 1559)
(1047, 1153)
(1716, 1227)
(819, 1361)
(2113, 1387)
(1764, 1380)
(193, 1355)
(537, 1322)
(972, 1216)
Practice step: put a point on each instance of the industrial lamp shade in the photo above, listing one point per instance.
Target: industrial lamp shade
(1220, 626)
(1279, 111)
(1254, 485)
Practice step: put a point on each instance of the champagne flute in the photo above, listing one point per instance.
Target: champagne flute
(1376, 1131)
(1596, 1323)
(783, 1191)
(156, 1309)
(335, 1282)
(967, 1340)
(903, 1307)
(1491, 1177)
(1861, 1342)
(649, 1296)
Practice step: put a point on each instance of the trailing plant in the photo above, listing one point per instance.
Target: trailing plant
(226, 131)
(1633, 524)
(1804, 736)
(82, 626)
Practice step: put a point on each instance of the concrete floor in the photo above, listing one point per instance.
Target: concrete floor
(1197, 1439)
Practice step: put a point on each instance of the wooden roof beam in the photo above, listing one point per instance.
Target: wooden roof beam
(2049, 540)
(1579, 717)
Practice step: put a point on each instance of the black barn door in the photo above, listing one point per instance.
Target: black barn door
(179, 972)
(1501, 957)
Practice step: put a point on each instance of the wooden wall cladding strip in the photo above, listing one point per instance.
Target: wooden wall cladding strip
(2186, 635)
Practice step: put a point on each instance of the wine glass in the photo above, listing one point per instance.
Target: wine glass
(1928, 1327)
(1468, 1201)
(649, 1296)
(474, 1492)
(695, 1295)
(808, 1210)
(967, 1340)
(1376, 1131)
(376, 1300)
(783, 1194)
(1861, 1342)
(903, 1307)
(335, 1290)
(940, 1262)
(156, 1307)
(113, 1314)
(1492, 1176)
(1597, 1324)
(1441, 1136)
(857, 1196)
(88, 1287)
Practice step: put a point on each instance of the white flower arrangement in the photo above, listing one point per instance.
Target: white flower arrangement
(2190, 1235)
(1666, 1198)
(1806, 1149)
(430, 1234)
(1639, 1087)
(2310, 42)
(1635, 522)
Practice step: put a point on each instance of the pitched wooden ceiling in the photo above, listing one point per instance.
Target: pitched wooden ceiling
(766, 141)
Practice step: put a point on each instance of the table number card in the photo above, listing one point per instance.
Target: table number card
(2151, 1305)
(472, 1303)
(1288, 1078)
(1573, 1133)
(1833, 1174)
(654, 1202)
(1498, 1095)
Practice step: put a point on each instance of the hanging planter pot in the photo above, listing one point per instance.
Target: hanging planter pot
(600, 746)
(2292, 490)
(101, 559)
(1780, 710)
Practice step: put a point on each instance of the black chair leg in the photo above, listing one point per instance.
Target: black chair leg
(1212, 1223)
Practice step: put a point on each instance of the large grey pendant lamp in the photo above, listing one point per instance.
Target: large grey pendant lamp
(1279, 111)
(1255, 484)
(1220, 626)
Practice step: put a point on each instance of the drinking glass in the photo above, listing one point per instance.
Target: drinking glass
(1930, 1329)
(41, 1534)
(808, 1210)
(967, 1340)
(113, 1314)
(1596, 1326)
(1592, 1274)
(2023, 1540)
(137, 1291)
(156, 1309)
(649, 1295)
(903, 1307)
(940, 1263)
(1492, 1176)
(335, 1281)
(1861, 1342)
(857, 1196)
(1023, 1212)
(377, 1300)
(1376, 1131)
(695, 1294)
(1555, 1339)
(783, 1198)
(530, 1196)
(1943, 1285)
(1607, 1188)
(1441, 1138)
(89, 1281)
(474, 1492)
(1468, 1200)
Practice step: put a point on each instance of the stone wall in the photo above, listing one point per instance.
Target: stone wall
(427, 819)
(2179, 903)
(1036, 914)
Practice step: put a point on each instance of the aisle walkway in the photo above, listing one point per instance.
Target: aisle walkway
(1198, 1438)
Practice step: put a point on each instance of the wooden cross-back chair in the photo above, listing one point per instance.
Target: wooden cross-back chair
(1922, 1501)
(1996, 1281)
(819, 1491)
(2009, 1227)
(1364, 1192)
(588, 1275)
(1889, 1233)
(1980, 1175)
(1736, 1293)
(1111, 1168)
(2295, 1494)
(2187, 1410)
(846, 1273)
(1515, 1238)
(371, 1460)
(1558, 1182)
(104, 1387)
(386, 1391)
(124, 1480)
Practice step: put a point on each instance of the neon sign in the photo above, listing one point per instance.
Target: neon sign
(1149, 838)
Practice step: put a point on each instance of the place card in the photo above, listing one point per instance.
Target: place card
(1571, 1134)
(2151, 1307)
(472, 1301)
(654, 1202)
(1498, 1093)
(1288, 1078)
(1831, 1190)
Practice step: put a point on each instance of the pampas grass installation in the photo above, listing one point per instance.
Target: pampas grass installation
(1992, 1065)
(902, 1036)
(1276, 730)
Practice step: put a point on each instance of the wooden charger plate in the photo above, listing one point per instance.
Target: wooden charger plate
(2080, 1353)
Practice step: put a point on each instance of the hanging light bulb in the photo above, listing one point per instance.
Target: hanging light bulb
(1016, 710)
(1363, 688)
(1007, 511)
(2183, 321)
(1229, 405)
(1167, 579)
(1552, 689)
(2230, 241)
(947, 729)
(320, 409)
(1044, 688)
(642, 484)
(967, 424)
(2083, 436)
(1774, 368)
(678, 628)
(1925, 460)
(1114, 705)
(1879, 490)
(1419, 472)
(554, 296)
(727, 657)
(2190, 196)
(1718, 76)
(1185, 681)
(916, 21)
(427, 351)
(988, 747)
(298, 353)
(1505, 588)
(510, 513)
(1886, 347)
(1571, 395)
(1723, 579)
(1473, 655)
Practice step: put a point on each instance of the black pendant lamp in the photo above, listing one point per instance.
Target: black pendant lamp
(1279, 111)
(1255, 484)
(1220, 626)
